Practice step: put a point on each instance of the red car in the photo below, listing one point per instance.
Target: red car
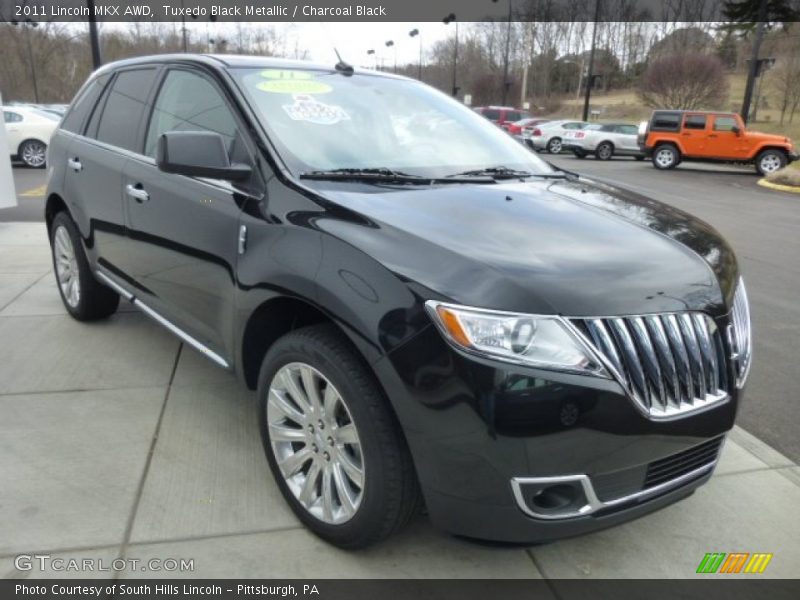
(500, 115)
(517, 127)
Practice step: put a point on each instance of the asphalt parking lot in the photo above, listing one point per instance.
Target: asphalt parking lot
(118, 441)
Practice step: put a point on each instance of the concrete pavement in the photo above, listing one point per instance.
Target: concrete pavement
(118, 441)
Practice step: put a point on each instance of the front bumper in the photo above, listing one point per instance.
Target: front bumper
(476, 427)
(793, 156)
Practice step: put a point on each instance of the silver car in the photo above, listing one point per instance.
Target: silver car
(550, 136)
(604, 141)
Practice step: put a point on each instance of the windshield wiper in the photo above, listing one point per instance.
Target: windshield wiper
(384, 175)
(495, 173)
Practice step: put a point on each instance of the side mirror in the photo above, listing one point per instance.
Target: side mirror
(197, 154)
(736, 129)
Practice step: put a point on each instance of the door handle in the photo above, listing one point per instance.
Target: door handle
(137, 193)
(75, 164)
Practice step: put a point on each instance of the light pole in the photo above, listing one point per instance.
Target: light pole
(451, 18)
(371, 52)
(415, 33)
(28, 24)
(94, 39)
(390, 44)
(589, 73)
(506, 83)
(752, 72)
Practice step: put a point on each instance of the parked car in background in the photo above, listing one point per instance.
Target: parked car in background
(550, 136)
(672, 136)
(56, 109)
(517, 128)
(588, 377)
(604, 141)
(28, 132)
(499, 115)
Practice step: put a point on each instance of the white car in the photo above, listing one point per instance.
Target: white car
(604, 140)
(28, 132)
(550, 136)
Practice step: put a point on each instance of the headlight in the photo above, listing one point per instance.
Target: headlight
(537, 341)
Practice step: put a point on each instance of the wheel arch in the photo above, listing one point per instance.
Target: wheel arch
(32, 138)
(768, 146)
(661, 141)
(54, 205)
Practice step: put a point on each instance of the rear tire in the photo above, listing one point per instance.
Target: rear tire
(311, 386)
(604, 151)
(554, 145)
(85, 298)
(666, 156)
(770, 160)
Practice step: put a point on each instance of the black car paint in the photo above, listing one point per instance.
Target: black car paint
(369, 256)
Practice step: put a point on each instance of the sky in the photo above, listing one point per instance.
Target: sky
(351, 39)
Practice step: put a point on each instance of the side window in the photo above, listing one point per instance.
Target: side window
(724, 123)
(628, 129)
(513, 116)
(666, 121)
(82, 106)
(124, 107)
(491, 114)
(11, 117)
(189, 101)
(694, 122)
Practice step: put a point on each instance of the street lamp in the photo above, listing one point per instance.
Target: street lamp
(415, 33)
(451, 18)
(29, 25)
(390, 44)
(371, 52)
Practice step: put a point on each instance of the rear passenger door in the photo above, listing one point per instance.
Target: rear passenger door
(694, 137)
(184, 231)
(626, 138)
(97, 155)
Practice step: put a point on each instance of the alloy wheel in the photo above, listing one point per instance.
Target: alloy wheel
(315, 443)
(604, 151)
(34, 154)
(554, 146)
(665, 157)
(770, 163)
(66, 266)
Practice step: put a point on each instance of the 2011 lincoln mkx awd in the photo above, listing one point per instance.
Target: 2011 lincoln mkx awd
(429, 312)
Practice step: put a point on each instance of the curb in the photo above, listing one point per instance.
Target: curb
(792, 189)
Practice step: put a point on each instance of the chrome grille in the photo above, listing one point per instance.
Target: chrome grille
(669, 364)
(740, 335)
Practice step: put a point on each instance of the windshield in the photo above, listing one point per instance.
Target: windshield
(322, 121)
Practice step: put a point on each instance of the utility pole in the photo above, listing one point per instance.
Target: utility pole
(753, 71)
(415, 33)
(505, 56)
(590, 74)
(94, 39)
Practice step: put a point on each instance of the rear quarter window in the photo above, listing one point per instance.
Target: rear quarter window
(83, 105)
(491, 114)
(666, 121)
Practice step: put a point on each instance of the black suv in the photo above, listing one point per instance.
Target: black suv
(428, 311)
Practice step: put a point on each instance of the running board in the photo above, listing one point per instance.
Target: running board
(161, 320)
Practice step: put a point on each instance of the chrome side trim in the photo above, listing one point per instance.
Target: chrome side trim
(593, 503)
(161, 320)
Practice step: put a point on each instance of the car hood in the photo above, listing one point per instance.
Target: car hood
(575, 248)
(768, 137)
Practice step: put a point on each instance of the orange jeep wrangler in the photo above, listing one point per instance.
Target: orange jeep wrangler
(671, 136)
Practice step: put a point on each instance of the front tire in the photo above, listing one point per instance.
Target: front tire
(768, 161)
(33, 153)
(665, 156)
(332, 443)
(85, 298)
(554, 145)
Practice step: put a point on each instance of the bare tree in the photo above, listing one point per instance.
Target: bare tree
(687, 81)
